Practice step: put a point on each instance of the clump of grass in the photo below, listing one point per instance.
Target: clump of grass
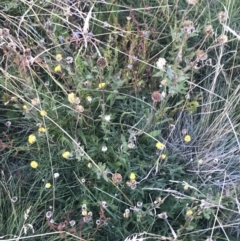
(119, 122)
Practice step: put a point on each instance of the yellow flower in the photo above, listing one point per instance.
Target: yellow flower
(41, 130)
(32, 139)
(126, 215)
(89, 99)
(200, 161)
(25, 107)
(189, 212)
(89, 165)
(58, 57)
(132, 176)
(73, 99)
(43, 113)
(58, 68)
(187, 138)
(101, 85)
(34, 164)
(66, 154)
(185, 187)
(163, 156)
(160, 146)
(48, 185)
(84, 212)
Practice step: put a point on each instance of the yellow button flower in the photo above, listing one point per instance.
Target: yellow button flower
(187, 138)
(32, 139)
(89, 99)
(160, 145)
(71, 98)
(34, 164)
(189, 212)
(186, 187)
(43, 113)
(163, 156)
(48, 185)
(58, 68)
(101, 85)
(41, 130)
(132, 176)
(84, 212)
(89, 165)
(25, 107)
(58, 57)
(66, 154)
(200, 161)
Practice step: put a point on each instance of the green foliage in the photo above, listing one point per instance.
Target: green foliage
(98, 85)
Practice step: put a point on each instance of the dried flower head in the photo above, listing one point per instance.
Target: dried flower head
(184, 131)
(14, 199)
(201, 55)
(164, 82)
(163, 215)
(104, 204)
(35, 101)
(222, 16)
(117, 178)
(69, 60)
(98, 222)
(8, 123)
(79, 108)
(208, 30)
(87, 219)
(131, 144)
(102, 62)
(188, 27)
(49, 214)
(222, 39)
(107, 118)
(4, 32)
(72, 223)
(192, 2)
(161, 63)
(156, 96)
(172, 127)
(104, 148)
(56, 175)
(139, 204)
